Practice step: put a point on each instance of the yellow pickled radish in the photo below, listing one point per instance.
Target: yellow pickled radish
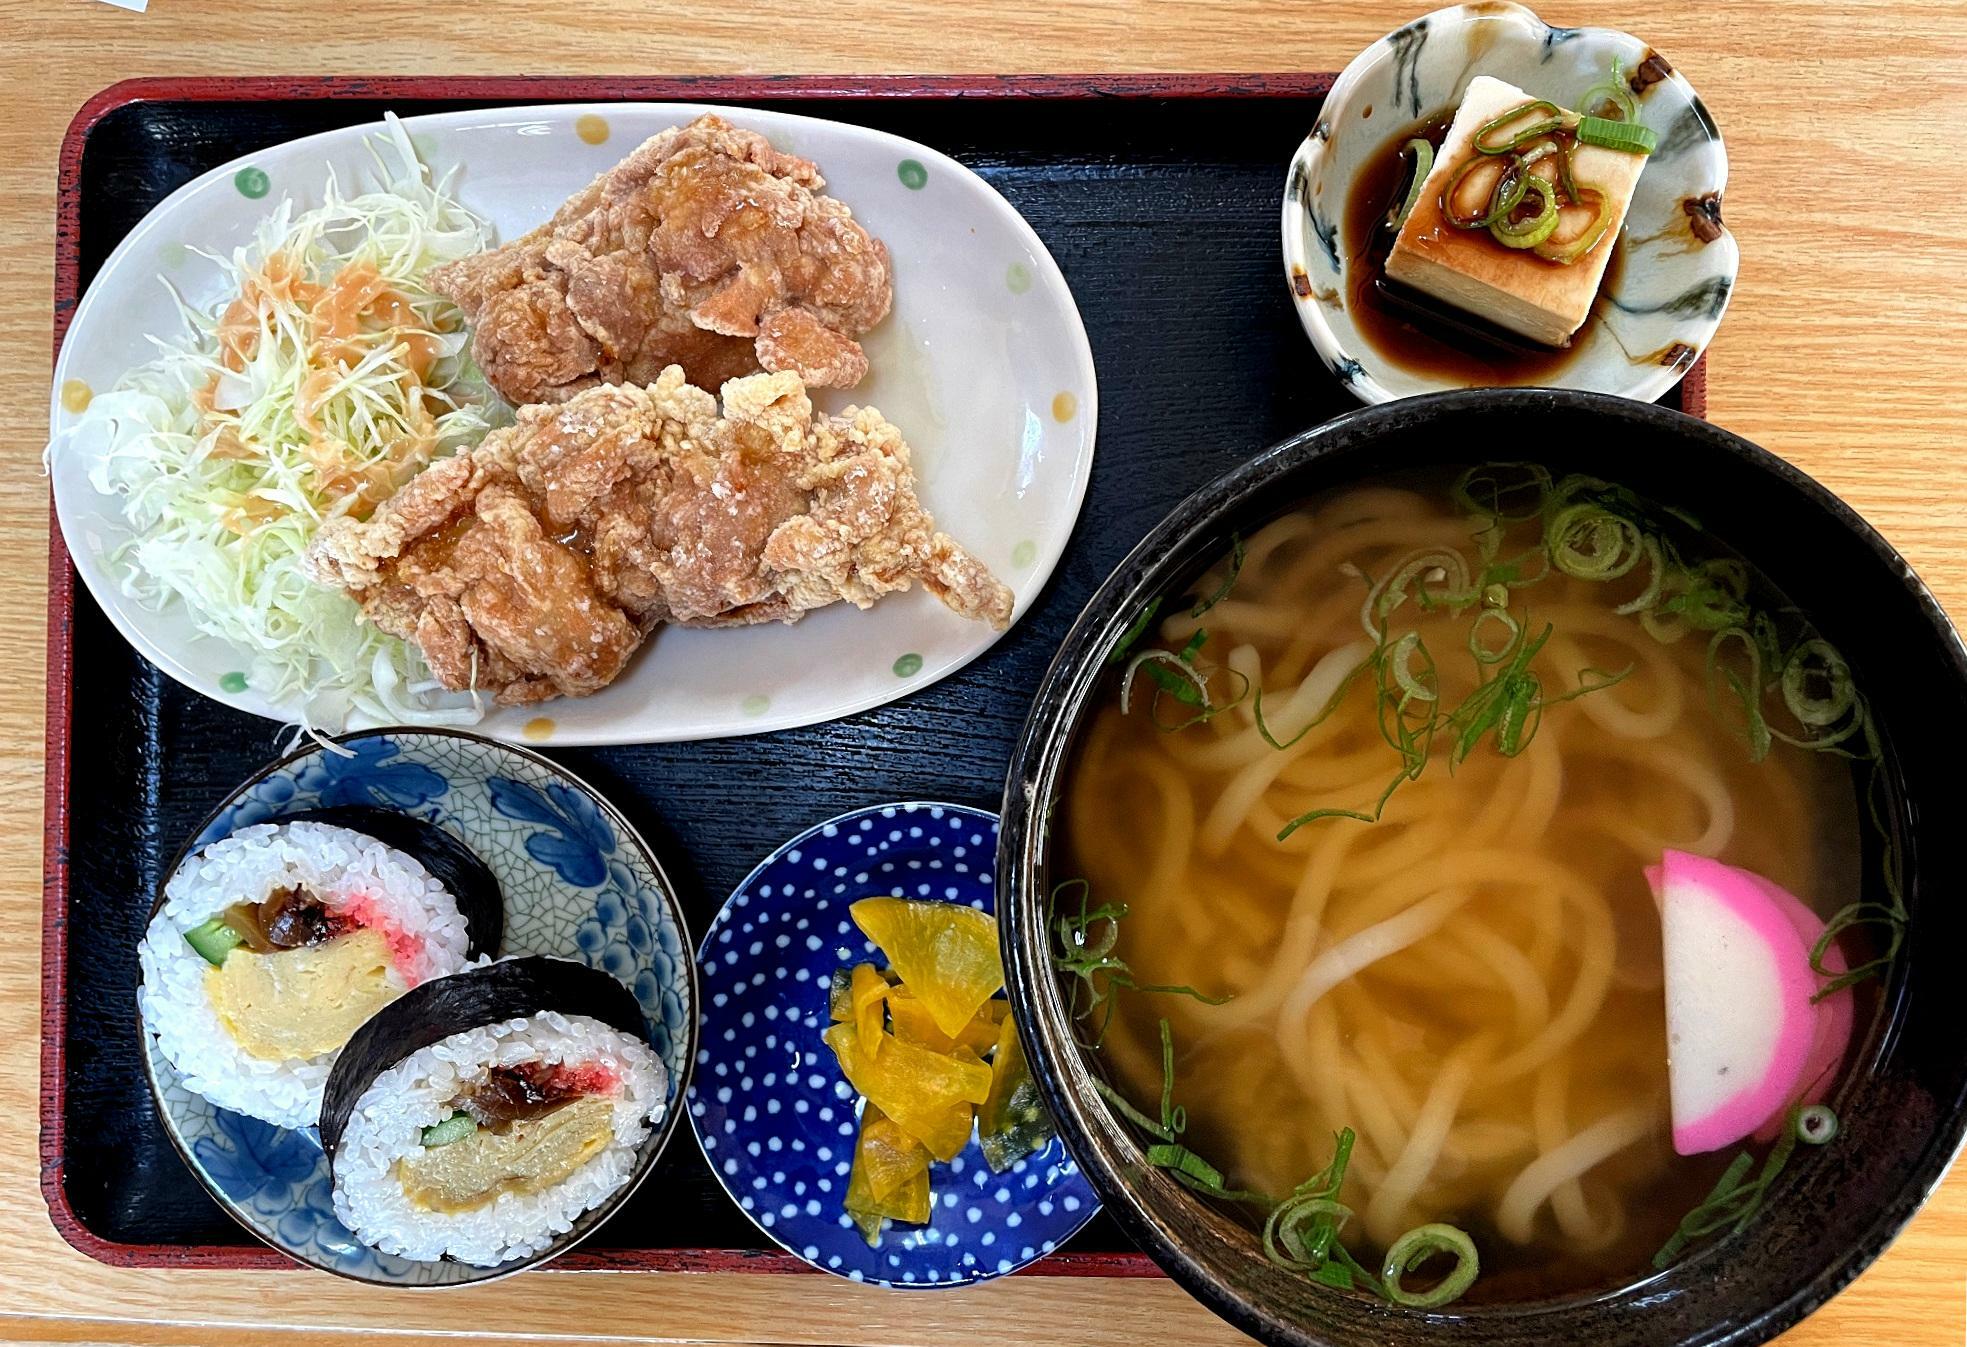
(930, 1095)
(869, 993)
(945, 953)
(914, 1024)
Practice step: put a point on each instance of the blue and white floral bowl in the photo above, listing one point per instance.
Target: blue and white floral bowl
(1657, 313)
(579, 883)
(776, 1120)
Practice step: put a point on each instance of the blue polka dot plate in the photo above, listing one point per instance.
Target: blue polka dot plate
(578, 883)
(777, 1121)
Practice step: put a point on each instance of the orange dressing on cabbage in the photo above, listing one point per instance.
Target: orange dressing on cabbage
(357, 304)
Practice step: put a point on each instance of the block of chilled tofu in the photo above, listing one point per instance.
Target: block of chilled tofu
(1511, 287)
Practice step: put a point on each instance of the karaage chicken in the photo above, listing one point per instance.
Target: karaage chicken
(705, 248)
(535, 564)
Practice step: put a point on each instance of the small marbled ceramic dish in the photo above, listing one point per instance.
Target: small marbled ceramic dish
(1656, 313)
(579, 883)
(777, 1121)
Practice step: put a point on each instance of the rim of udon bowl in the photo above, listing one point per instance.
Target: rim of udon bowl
(1088, 1127)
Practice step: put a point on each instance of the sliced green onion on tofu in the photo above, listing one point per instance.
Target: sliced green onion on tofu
(1579, 228)
(1501, 134)
(1612, 94)
(1422, 154)
(1630, 137)
(1518, 230)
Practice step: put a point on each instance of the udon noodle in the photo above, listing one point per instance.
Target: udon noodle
(1473, 982)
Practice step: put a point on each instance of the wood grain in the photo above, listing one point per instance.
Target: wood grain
(1843, 351)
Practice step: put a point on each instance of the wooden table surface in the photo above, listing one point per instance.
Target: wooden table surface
(1843, 351)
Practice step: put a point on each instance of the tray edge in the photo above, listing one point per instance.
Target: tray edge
(62, 576)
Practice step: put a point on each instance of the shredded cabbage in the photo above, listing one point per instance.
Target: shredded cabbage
(327, 376)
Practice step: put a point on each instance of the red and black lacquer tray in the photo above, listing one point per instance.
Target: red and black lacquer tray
(1158, 195)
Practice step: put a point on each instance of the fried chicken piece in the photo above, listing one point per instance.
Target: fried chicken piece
(705, 248)
(491, 600)
(533, 565)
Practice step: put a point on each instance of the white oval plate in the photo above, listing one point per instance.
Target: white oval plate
(983, 341)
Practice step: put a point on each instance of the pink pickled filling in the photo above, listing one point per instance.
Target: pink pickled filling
(405, 949)
(587, 1078)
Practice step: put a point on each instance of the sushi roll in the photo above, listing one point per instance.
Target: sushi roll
(271, 947)
(450, 862)
(482, 1115)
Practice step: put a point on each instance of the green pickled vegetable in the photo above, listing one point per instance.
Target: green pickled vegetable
(840, 996)
(213, 940)
(454, 1128)
(1012, 1123)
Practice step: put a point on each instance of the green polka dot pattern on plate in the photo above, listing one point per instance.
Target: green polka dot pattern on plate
(252, 182)
(757, 704)
(912, 174)
(172, 255)
(233, 682)
(1017, 278)
(908, 665)
(1024, 553)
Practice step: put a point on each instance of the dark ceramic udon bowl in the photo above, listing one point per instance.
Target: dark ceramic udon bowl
(1834, 1209)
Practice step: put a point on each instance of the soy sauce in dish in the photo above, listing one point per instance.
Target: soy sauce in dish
(1413, 331)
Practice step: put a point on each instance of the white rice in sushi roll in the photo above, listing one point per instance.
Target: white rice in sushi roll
(350, 874)
(390, 1115)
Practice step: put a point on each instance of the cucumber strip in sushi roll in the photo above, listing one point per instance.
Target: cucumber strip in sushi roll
(272, 946)
(482, 1115)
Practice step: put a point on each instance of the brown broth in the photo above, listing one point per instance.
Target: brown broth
(1416, 333)
(1219, 916)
